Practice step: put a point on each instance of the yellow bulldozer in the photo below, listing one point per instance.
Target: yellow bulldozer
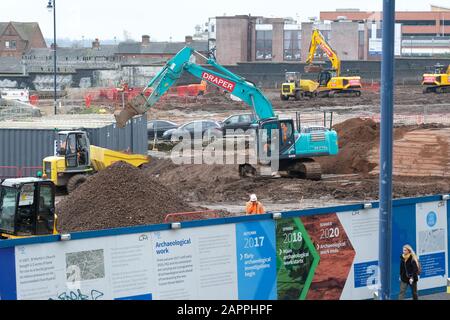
(297, 88)
(76, 159)
(27, 208)
(438, 81)
(330, 81)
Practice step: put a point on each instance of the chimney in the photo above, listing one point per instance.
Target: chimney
(145, 40)
(96, 44)
(188, 39)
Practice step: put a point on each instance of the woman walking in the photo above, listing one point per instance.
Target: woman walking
(409, 272)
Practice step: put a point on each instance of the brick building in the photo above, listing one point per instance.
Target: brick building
(423, 33)
(249, 38)
(258, 39)
(18, 37)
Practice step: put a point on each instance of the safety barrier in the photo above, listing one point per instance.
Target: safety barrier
(323, 253)
(9, 172)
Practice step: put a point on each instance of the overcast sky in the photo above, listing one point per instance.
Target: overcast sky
(170, 18)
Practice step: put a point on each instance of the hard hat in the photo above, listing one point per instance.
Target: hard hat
(253, 198)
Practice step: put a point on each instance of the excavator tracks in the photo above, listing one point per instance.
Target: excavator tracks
(309, 170)
(303, 169)
(437, 89)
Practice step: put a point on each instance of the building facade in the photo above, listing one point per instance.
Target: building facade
(423, 33)
(16, 38)
(259, 39)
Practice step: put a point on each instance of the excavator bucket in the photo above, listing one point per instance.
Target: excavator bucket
(313, 68)
(132, 108)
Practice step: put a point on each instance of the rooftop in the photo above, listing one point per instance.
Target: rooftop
(24, 29)
(160, 47)
(61, 122)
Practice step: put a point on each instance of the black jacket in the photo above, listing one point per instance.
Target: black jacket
(408, 269)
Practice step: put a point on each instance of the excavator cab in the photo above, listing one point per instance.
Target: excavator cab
(280, 132)
(27, 208)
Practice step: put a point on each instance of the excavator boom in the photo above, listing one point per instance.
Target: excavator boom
(183, 62)
(318, 40)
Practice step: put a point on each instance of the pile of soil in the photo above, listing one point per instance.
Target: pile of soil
(119, 196)
(356, 137)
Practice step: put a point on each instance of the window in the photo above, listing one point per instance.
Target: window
(361, 37)
(8, 200)
(292, 45)
(264, 45)
(190, 126)
(233, 119)
(245, 118)
(379, 33)
(11, 44)
(209, 124)
(417, 22)
(212, 28)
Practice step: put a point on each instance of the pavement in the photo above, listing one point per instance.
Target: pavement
(436, 296)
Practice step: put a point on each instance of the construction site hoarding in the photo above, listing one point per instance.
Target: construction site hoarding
(25, 143)
(314, 254)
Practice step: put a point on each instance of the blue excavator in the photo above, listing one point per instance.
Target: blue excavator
(294, 148)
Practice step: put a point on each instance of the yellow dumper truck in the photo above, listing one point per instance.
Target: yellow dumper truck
(75, 159)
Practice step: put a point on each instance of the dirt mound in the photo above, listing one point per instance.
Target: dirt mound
(118, 196)
(356, 137)
(197, 182)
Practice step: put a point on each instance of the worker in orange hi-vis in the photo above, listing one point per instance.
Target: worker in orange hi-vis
(284, 129)
(254, 206)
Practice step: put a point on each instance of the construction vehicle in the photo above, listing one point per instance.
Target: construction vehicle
(295, 150)
(438, 81)
(76, 159)
(27, 208)
(330, 80)
(297, 88)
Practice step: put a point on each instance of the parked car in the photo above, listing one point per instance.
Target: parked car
(238, 121)
(158, 127)
(210, 128)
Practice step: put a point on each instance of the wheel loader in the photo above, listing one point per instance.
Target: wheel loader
(76, 159)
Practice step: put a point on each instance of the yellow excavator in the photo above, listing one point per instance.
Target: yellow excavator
(330, 80)
(297, 88)
(27, 208)
(438, 81)
(76, 159)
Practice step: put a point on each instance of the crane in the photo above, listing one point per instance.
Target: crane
(330, 81)
(295, 150)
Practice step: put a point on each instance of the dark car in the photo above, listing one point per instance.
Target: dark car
(238, 121)
(158, 127)
(199, 128)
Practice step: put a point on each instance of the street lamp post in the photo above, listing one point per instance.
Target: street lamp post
(51, 6)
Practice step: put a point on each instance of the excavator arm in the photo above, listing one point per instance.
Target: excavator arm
(318, 39)
(182, 62)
